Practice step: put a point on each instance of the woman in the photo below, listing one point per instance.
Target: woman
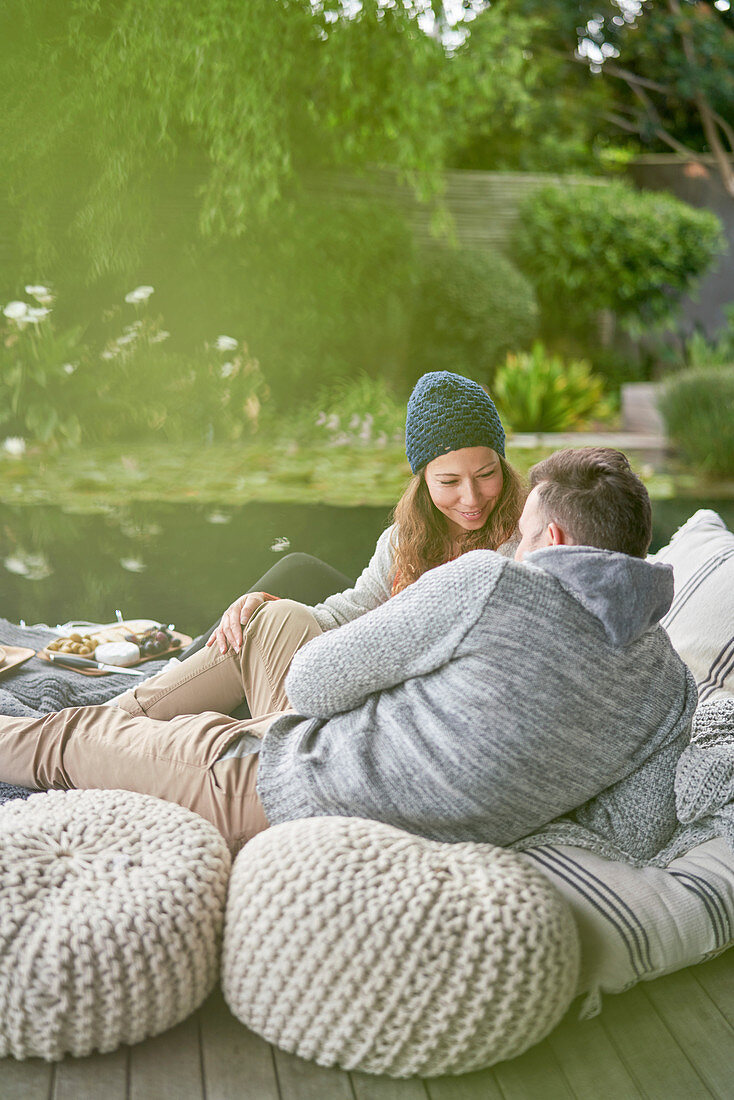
(463, 496)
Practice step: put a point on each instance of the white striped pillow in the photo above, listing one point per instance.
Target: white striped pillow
(637, 923)
(700, 622)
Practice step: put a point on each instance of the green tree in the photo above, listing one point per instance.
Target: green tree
(106, 105)
(517, 105)
(667, 66)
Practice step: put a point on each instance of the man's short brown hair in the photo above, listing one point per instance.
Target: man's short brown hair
(593, 495)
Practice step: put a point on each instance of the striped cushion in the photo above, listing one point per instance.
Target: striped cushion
(701, 619)
(640, 922)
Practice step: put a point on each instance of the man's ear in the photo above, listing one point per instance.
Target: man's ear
(557, 536)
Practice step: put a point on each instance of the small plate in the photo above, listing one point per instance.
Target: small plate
(14, 655)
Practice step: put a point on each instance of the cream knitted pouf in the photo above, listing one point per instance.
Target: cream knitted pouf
(111, 908)
(353, 943)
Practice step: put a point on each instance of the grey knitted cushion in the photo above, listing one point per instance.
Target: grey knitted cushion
(111, 907)
(353, 943)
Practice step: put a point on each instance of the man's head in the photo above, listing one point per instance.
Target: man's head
(586, 497)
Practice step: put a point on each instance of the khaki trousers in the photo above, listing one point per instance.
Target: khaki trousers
(166, 736)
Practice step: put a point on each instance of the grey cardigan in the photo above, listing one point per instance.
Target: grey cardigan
(374, 585)
(489, 698)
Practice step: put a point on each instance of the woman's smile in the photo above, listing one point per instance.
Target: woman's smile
(465, 485)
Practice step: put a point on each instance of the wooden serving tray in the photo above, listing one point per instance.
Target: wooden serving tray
(12, 656)
(117, 634)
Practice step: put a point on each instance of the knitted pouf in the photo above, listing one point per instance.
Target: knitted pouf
(353, 943)
(111, 908)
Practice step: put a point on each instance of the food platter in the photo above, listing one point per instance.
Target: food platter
(82, 643)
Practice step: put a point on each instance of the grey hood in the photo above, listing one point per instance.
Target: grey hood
(627, 595)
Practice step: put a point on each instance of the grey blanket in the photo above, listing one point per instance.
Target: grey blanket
(37, 688)
(704, 794)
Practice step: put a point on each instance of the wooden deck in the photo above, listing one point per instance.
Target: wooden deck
(672, 1039)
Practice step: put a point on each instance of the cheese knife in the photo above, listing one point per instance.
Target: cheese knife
(74, 661)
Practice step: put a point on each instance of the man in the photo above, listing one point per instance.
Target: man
(480, 703)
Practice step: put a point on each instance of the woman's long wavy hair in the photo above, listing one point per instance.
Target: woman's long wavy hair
(424, 540)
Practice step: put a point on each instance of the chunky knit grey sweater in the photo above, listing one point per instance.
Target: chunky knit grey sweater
(489, 698)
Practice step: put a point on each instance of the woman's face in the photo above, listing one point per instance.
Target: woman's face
(465, 485)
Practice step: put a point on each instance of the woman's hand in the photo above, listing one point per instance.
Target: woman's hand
(229, 631)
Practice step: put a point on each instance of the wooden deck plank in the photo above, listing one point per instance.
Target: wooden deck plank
(368, 1087)
(168, 1066)
(534, 1074)
(99, 1075)
(589, 1061)
(672, 1039)
(646, 1047)
(481, 1085)
(300, 1080)
(698, 1026)
(29, 1080)
(236, 1062)
(717, 978)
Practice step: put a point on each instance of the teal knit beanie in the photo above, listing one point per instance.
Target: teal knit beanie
(447, 412)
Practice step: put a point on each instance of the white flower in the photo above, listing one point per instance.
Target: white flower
(227, 370)
(126, 338)
(320, 420)
(109, 353)
(140, 294)
(218, 517)
(332, 423)
(133, 565)
(355, 422)
(69, 368)
(280, 544)
(15, 310)
(225, 343)
(14, 445)
(159, 336)
(35, 314)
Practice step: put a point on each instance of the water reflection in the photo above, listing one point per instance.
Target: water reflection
(174, 563)
(185, 563)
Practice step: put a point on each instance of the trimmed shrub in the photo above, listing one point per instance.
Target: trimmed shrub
(587, 248)
(540, 392)
(471, 308)
(701, 352)
(698, 409)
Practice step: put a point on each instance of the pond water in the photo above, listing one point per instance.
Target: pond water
(185, 563)
(176, 563)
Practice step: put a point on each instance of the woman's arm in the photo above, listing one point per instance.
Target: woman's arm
(410, 635)
(372, 589)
